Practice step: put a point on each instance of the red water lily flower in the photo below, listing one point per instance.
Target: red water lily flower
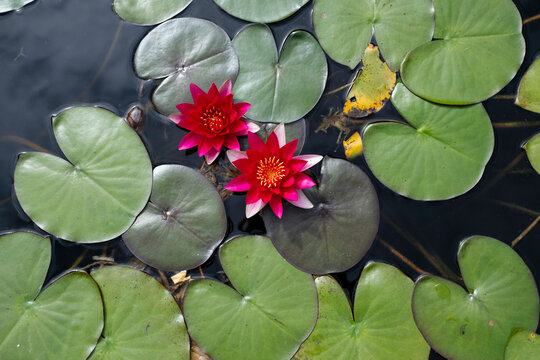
(271, 173)
(213, 121)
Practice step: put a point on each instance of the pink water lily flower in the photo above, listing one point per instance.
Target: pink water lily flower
(271, 173)
(213, 121)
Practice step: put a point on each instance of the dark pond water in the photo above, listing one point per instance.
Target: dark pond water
(59, 53)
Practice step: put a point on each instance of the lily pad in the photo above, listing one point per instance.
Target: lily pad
(523, 345)
(63, 321)
(96, 194)
(372, 86)
(184, 51)
(148, 12)
(272, 309)
(346, 27)
(382, 326)
(475, 322)
(183, 222)
(338, 231)
(293, 131)
(9, 5)
(478, 49)
(142, 319)
(533, 152)
(261, 11)
(528, 96)
(280, 89)
(441, 153)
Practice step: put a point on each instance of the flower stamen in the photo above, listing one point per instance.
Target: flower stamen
(213, 119)
(270, 171)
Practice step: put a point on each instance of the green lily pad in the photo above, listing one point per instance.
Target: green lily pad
(533, 152)
(148, 12)
(475, 323)
(182, 224)
(441, 153)
(478, 50)
(96, 194)
(523, 345)
(382, 326)
(338, 231)
(142, 319)
(346, 27)
(528, 96)
(63, 321)
(280, 89)
(293, 131)
(9, 5)
(261, 11)
(272, 309)
(184, 51)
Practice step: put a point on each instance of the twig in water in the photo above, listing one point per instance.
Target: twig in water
(526, 231)
(401, 256)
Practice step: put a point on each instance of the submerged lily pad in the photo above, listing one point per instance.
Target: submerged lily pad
(382, 326)
(475, 323)
(184, 51)
(149, 12)
(533, 152)
(9, 5)
(523, 345)
(96, 194)
(372, 86)
(478, 50)
(63, 321)
(261, 11)
(338, 231)
(272, 309)
(528, 96)
(282, 88)
(345, 27)
(441, 153)
(142, 319)
(183, 222)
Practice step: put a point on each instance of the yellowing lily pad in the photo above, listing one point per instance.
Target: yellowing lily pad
(528, 96)
(372, 86)
(353, 146)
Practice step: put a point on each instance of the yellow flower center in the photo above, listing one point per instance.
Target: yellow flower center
(213, 119)
(270, 171)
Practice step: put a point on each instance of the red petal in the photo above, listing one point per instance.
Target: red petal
(214, 92)
(196, 92)
(276, 206)
(241, 108)
(204, 146)
(238, 184)
(252, 195)
(272, 143)
(226, 88)
(189, 141)
(217, 142)
(186, 108)
(289, 193)
(288, 181)
(238, 126)
(287, 151)
(244, 165)
(303, 181)
(295, 166)
(231, 142)
(265, 196)
(255, 142)
(188, 124)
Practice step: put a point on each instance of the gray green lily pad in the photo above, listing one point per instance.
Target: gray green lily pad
(528, 96)
(532, 147)
(184, 51)
(261, 11)
(478, 49)
(9, 5)
(523, 345)
(441, 153)
(475, 322)
(148, 12)
(381, 328)
(338, 231)
(62, 321)
(142, 319)
(182, 224)
(280, 88)
(98, 191)
(346, 27)
(270, 311)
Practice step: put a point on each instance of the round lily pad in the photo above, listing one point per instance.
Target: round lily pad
(63, 321)
(9, 5)
(533, 152)
(346, 27)
(96, 194)
(441, 153)
(148, 12)
(523, 345)
(261, 11)
(338, 231)
(478, 49)
(474, 323)
(382, 326)
(528, 96)
(142, 319)
(182, 224)
(280, 89)
(184, 51)
(272, 309)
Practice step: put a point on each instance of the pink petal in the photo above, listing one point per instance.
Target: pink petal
(189, 141)
(204, 146)
(303, 181)
(296, 165)
(311, 160)
(252, 209)
(195, 91)
(185, 108)
(226, 88)
(238, 184)
(280, 133)
(252, 127)
(288, 149)
(255, 142)
(175, 118)
(234, 155)
(302, 202)
(253, 195)
(288, 181)
(276, 206)
(211, 155)
(241, 108)
(238, 126)
(289, 193)
(231, 142)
